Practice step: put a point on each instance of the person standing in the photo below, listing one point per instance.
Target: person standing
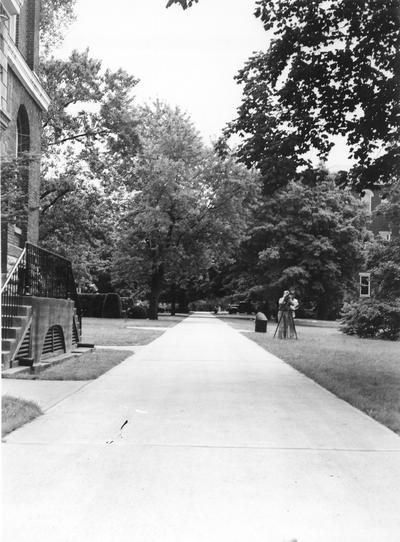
(286, 307)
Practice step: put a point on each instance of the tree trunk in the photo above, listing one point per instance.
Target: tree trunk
(173, 300)
(183, 305)
(155, 291)
(153, 305)
(322, 311)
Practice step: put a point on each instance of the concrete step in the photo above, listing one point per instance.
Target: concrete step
(5, 358)
(10, 332)
(7, 344)
(19, 310)
(16, 321)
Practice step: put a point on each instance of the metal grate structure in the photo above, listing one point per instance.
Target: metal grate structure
(38, 272)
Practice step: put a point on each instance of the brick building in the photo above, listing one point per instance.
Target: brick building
(22, 101)
(39, 303)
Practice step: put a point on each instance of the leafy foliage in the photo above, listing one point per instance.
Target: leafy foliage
(184, 3)
(112, 306)
(305, 237)
(92, 304)
(372, 318)
(14, 173)
(55, 17)
(187, 214)
(89, 146)
(137, 311)
(331, 69)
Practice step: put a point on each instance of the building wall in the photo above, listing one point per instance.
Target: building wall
(18, 96)
(28, 35)
(379, 224)
(19, 62)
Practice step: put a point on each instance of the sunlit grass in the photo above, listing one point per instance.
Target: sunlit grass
(16, 412)
(363, 372)
(87, 366)
(122, 332)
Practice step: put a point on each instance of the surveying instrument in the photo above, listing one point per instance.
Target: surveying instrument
(287, 320)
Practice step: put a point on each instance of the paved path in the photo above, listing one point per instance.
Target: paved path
(223, 442)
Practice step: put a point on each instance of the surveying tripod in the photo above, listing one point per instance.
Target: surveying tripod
(290, 322)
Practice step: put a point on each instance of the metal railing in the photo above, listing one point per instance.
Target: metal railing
(12, 292)
(41, 273)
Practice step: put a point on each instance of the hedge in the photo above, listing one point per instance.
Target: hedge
(112, 306)
(100, 305)
(372, 318)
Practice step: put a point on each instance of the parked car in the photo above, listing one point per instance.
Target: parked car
(233, 309)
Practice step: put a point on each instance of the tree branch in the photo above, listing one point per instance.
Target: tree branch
(59, 196)
(78, 136)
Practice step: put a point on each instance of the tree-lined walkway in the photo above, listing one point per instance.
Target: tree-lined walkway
(220, 441)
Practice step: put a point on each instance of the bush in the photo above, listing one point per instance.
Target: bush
(92, 304)
(372, 318)
(137, 311)
(126, 303)
(112, 306)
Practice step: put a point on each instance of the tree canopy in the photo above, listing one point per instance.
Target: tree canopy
(187, 212)
(305, 237)
(55, 17)
(332, 68)
(89, 143)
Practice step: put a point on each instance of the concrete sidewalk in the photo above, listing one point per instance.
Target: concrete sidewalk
(220, 441)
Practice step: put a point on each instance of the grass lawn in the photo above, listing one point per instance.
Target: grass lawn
(88, 366)
(363, 372)
(16, 412)
(122, 332)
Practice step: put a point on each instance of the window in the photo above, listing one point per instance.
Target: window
(9, 22)
(385, 235)
(23, 131)
(365, 284)
(12, 29)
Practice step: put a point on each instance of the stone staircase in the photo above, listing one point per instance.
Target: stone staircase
(12, 335)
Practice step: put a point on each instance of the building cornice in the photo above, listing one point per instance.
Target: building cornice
(26, 76)
(12, 6)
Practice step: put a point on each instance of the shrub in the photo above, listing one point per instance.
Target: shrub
(372, 318)
(112, 306)
(137, 311)
(92, 304)
(126, 303)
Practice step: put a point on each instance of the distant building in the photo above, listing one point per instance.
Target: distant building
(379, 225)
(39, 303)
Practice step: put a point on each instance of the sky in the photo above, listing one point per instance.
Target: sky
(185, 58)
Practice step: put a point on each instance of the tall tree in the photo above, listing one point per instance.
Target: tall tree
(89, 144)
(188, 213)
(307, 237)
(55, 17)
(332, 69)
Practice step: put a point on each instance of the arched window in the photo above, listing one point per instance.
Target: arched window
(23, 132)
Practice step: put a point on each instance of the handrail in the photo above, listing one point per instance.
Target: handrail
(41, 273)
(48, 251)
(13, 269)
